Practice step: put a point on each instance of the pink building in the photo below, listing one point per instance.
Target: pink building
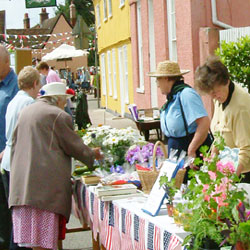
(184, 31)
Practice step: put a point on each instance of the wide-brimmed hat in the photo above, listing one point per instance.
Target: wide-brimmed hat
(168, 68)
(55, 89)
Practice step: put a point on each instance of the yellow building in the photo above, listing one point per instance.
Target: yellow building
(114, 48)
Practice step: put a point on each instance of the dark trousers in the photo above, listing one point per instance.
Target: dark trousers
(9, 240)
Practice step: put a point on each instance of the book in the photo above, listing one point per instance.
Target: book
(90, 179)
(115, 189)
(121, 196)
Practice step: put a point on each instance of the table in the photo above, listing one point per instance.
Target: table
(121, 224)
(145, 126)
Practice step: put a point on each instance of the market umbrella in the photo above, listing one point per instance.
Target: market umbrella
(63, 53)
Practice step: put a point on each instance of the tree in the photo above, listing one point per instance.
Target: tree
(236, 57)
(84, 8)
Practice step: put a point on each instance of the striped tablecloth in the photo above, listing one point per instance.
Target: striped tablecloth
(122, 224)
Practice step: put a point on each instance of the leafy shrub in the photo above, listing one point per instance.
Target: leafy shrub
(236, 57)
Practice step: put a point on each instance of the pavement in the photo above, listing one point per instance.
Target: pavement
(83, 240)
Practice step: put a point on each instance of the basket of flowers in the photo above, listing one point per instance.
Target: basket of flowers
(148, 176)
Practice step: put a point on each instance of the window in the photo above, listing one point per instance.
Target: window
(103, 73)
(114, 73)
(125, 77)
(140, 88)
(172, 31)
(98, 16)
(122, 3)
(109, 73)
(105, 10)
(110, 7)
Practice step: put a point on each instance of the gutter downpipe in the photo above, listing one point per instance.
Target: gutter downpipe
(215, 19)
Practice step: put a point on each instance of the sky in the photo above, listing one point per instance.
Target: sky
(15, 10)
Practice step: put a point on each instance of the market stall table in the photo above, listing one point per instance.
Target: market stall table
(145, 126)
(121, 224)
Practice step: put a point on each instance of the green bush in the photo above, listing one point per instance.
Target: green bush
(236, 57)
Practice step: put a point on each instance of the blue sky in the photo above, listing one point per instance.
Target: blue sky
(15, 9)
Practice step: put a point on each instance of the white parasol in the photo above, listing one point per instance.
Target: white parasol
(64, 52)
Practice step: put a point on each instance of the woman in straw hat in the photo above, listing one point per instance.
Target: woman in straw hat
(184, 119)
(40, 188)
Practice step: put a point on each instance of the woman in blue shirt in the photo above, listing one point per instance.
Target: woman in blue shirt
(184, 119)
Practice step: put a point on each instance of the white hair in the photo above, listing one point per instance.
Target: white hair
(54, 99)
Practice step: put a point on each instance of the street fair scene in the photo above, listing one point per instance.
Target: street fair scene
(124, 125)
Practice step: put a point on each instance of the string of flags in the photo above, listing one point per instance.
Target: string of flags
(22, 37)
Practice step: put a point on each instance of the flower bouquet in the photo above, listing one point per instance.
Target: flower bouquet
(218, 207)
(113, 142)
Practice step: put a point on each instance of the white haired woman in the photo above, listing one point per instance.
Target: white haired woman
(40, 189)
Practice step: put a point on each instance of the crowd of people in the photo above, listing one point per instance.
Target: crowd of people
(37, 138)
(36, 156)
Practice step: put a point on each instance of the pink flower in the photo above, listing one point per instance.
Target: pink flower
(205, 188)
(212, 175)
(226, 168)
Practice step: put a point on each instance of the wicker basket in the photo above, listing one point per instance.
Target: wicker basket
(148, 178)
(180, 177)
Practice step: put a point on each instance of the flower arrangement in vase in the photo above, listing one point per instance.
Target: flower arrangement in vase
(218, 206)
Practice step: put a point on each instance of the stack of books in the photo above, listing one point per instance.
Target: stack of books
(116, 192)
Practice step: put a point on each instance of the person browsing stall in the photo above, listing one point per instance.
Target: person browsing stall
(40, 188)
(8, 89)
(184, 119)
(51, 75)
(231, 109)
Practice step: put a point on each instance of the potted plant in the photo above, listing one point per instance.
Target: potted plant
(213, 199)
(171, 190)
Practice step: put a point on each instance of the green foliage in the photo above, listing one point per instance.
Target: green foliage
(169, 187)
(212, 203)
(84, 8)
(236, 57)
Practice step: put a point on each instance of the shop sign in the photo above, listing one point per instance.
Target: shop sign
(40, 3)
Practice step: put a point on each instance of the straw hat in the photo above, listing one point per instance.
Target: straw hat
(168, 68)
(55, 89)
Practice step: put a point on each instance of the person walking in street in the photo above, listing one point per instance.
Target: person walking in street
(29, 85)
(231, 109)
(8, 89)
(40, 188)
(51, 75)
(184, 120)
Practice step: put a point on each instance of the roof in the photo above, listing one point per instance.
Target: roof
(48, 26)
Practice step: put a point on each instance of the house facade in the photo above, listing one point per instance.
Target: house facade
(184, 31)
(115, 55)
(46, 36)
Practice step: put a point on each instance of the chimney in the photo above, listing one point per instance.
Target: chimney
(26, 21)
(2, 21)
(43, 16)
(72, 11)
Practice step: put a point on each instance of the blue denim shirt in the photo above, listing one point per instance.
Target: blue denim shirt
(8, 89)
(172, 123)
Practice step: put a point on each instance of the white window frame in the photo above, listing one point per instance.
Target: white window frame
(103, 74)
(98, 16)
(122, 3)
(125, 72)
(140, 88)
(105, 15)
(114, 73)
(121, 79)
(110, 8)
(172, 30)
(109, 72)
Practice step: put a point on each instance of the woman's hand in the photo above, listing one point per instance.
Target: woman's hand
(98, 154)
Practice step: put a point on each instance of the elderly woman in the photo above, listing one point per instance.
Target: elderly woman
(40, 188)
(184, 119)
(231, 109)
